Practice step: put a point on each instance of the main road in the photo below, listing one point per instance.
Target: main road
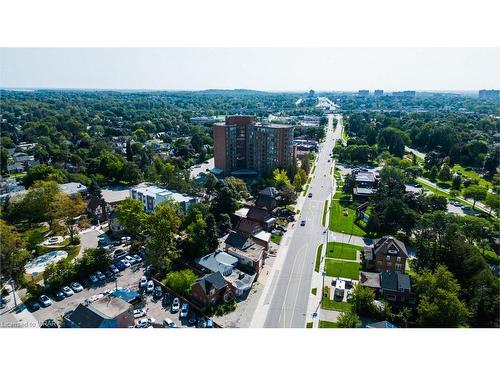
(286, 300)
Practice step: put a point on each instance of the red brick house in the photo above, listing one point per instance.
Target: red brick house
(211, 289)
(386, 254)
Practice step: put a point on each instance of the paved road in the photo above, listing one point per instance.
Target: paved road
(289, 298)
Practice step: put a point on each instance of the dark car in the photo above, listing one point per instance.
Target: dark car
(109, 274)
(166, 300)
(158, 292)
(33, 306)
(59, 296)
(120, 265)
(302, 223)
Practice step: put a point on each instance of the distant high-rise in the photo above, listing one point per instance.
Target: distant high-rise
(489, 94)
(363, 92)
(379, 92)
(242, 145)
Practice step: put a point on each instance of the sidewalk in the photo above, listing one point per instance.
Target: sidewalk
(10, 317)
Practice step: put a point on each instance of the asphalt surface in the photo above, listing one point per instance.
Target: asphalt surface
(288, 304)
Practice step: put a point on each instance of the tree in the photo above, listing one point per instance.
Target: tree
(13, 256)
(348, 319)
(161, 232)
(394, 139)
(493, 202)
(439, 304)
(65, 208)
(42, 172)
(226, 199)
(433, 173)
(362, 300)
(445, 173)
(130, 213)
(129, 153)
(223, 224)
(210, 183)
(476, 193)
(281, 179)
(211, 237)
(196, 244)
(456, 182)
(180, 281)
(239, 185)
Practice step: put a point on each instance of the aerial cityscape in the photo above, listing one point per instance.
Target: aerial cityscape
(249, 209)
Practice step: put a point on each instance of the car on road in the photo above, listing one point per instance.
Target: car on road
(169, 323)
(176, 305)
(158, 292)
(139, 313)
(93, 279)
(45, 301)
(59, 296)
(100, 276)
(143, 282)
(150, 286)
(76, 286)
(67, 291)
(310, 195)
(33, 306)
(302, 223)
(184, 310)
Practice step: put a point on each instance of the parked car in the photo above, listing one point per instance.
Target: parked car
(100, 276)
(33, 306)
(76, 286)
(191, 321)
(210, 323)
(150, 286)
(158, 292)
(145, 321)
(201, 323)
(184, 310)
(59, 296)
(120, 265)
(176, 305)
(126, 263)
(166, 300)
(93, 279)
(302, 223)
(67, 291)
(108, 274)
(113, 269)
(149, 271)
(45, 301)
(118, 254)
(143, 282)
(130, 259)
(139, 313)
(137, 258)
(169, 323)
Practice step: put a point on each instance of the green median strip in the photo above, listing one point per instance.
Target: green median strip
(325, 210)
(318, 257)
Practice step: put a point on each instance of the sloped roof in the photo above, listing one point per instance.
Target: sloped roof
(248, 226)
(370, 279)
(218, 261)
(235, 239)
(95, 202)
(382, 324)
(388, 243)
(266, 202)
(394, 281)
(258, 214)
(213, 279)
(269, 191)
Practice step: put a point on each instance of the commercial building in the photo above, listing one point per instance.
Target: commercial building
(363, 92)
(404, 94)
(378, 92)
(244, 146)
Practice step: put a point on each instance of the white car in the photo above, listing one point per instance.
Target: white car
(145, 322)
(150, 286)
(45, 301)
(77, 287)
(139, 313)
(176, 305)
(143, 282)
(67, 291)
(169, 323)
(184, 310)
(130, 259)
(126, 263)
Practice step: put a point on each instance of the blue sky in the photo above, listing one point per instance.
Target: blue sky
(275, 69)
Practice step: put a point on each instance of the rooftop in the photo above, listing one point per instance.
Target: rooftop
(72, 188)
(115, 195)
(218, 261)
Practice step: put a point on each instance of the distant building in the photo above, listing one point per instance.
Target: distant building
(378, 92)
(489, 94)
(203, 120)
(241, 144)
(73, 188)
(150, 196)
(365, 184)
(404, 94)
(363, 92)
(106, 312)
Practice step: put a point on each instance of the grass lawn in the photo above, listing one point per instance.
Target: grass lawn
(340, 268)
(340, 195)
(443, 193)
(342, 250)
(329, 304)
(471, 174)
(309, 325)
(325, 209)
(318, 258)
(326, 324)
(276, 238)
(345, 224)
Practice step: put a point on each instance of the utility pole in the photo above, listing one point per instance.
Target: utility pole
(12, 284)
